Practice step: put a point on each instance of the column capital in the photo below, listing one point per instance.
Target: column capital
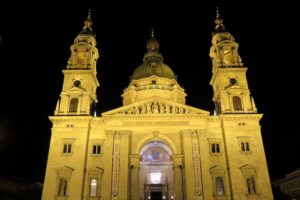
(135, 160)
(177, 160)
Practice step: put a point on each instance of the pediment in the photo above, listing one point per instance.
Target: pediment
(155, 106)
(65, 169)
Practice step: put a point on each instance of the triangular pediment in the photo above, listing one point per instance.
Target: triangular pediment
(155, 106)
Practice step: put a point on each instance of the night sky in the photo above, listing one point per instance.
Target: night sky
(34, 48)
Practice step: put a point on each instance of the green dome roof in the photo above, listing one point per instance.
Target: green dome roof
(153, 63)
(150, 67)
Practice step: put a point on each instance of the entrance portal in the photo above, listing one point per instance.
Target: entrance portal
(156, 172)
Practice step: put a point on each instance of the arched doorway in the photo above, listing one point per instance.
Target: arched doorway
(156, 175)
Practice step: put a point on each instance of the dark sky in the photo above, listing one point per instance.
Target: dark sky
(34, 48)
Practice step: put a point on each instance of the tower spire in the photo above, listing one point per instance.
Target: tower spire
(87, 28)
(152, 45)
(219, 21)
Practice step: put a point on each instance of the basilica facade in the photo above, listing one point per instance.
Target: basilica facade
(155, 146)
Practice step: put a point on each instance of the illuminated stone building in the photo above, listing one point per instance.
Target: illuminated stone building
(155, 146)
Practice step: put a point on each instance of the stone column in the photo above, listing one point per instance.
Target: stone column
(178, 181)
(135, 171)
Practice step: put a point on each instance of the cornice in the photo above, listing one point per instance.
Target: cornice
(70, 118)
(233, 117)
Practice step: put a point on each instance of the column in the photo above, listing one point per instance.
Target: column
(178, 181)
(135, 171)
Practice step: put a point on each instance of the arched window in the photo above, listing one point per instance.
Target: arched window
(251, 185)
(237, 103)
(62, 187)
(93, 187)
(220, 186)
(73, 105)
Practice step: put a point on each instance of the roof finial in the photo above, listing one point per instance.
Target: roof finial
(219, 21)
(152, 44)
(152, 33)
(88, 22)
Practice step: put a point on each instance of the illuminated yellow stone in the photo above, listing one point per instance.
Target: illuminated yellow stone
(155, 145)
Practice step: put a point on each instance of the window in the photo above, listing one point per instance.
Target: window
(218, 176)
(245, 146)
(73, 105)
(67, 146)
(94, 183)
(215, 148)
(63, 181)
(251, 185)
(220, 186)
(93, 187)
(67, 149)
(62, 186)
(237, 103)
(249, 174)
(96, 149)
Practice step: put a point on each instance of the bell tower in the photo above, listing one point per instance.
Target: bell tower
(78, 95)
(229, 82)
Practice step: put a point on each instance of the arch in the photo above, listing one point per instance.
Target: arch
(237, 103)
(73, 105)
(150, 138)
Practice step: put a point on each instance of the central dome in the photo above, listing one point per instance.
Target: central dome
(153, 67)
(153, 63)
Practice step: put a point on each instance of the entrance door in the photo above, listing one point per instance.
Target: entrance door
(156, 195)
(156, 172)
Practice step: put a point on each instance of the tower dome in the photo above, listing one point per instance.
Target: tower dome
(153, 63)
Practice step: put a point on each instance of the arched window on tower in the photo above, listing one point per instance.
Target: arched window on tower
(73, 105)
(93, 187)
(237, 103)
(220, 186)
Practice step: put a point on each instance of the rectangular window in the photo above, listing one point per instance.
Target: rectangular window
(93, 187)
(67, 148)
(62, 186)
(244, 144)
(215, 148)
(96, 149)
(220, 191)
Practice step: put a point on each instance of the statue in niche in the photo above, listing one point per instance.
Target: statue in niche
(172, 109)
(162, 108)
(167, 109)
(143, 110)
(135, 110)
(155, 108)
(148, 108)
